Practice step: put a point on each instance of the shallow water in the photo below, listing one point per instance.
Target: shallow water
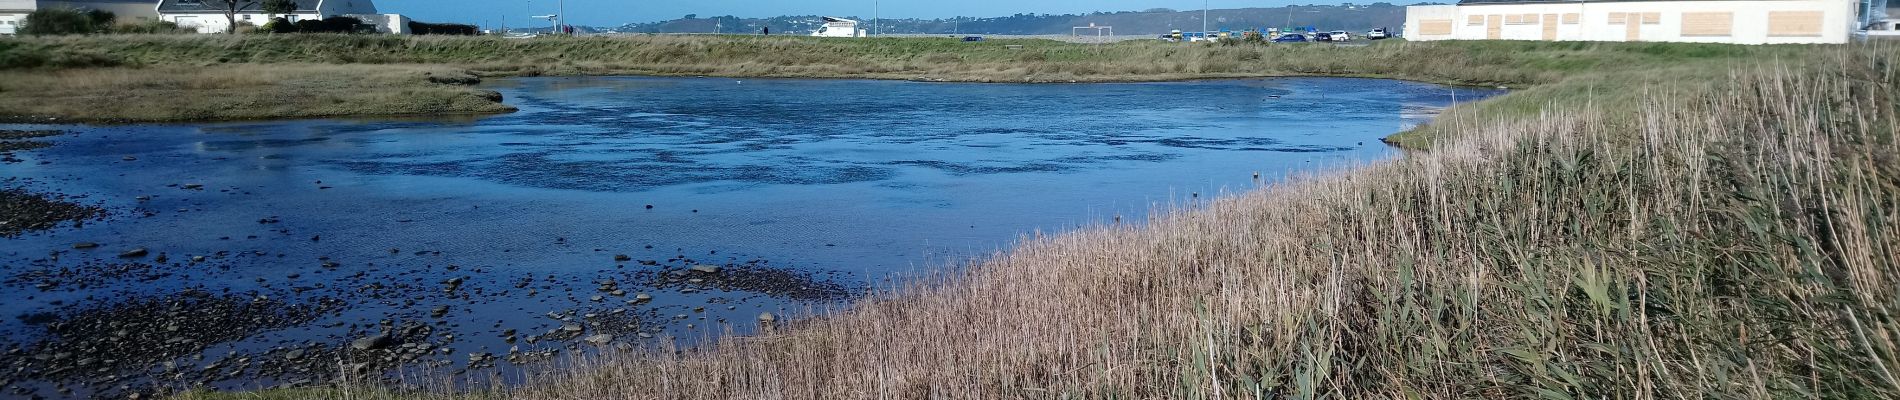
(812, 190)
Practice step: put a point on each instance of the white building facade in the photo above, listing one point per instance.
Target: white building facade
(206, 16)
(13, 12)
(1693, 21)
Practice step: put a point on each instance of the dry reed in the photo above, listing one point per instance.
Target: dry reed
(1721, 242)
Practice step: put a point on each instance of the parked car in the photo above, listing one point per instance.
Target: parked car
(1322, 36)
(1290, 38)
(1341, 36)
(1377, 34)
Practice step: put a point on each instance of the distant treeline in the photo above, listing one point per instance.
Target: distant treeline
(1148, 22)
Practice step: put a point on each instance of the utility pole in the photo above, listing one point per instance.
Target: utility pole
(877, 10)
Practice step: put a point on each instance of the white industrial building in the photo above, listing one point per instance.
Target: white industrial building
(207, 17)
(1696, 21)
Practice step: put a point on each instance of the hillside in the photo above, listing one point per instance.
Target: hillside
(1156, 21)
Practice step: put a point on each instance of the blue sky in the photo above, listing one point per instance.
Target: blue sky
(616, 12)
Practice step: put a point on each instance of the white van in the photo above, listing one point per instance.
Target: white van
(838, 27)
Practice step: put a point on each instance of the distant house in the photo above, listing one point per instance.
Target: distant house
(1697, 21)
(207, 16)
(13, 12)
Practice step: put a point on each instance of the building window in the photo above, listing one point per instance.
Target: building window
(247, 17)
(1475, 20)
(1795, 23)
(1708, 23)
(1652, 18)
(1572, 18)
(1617, 18)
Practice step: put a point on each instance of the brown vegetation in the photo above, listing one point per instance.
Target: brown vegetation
(1724, 241)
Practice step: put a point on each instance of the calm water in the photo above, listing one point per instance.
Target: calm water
(808, 189)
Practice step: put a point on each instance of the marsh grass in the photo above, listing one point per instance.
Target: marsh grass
(1718, 241)
(1561, 75)
(236, 92)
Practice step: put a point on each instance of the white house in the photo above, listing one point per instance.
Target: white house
(1697, 21)
(13, 12)
(207, 16)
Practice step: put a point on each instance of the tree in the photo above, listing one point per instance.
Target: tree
(230, 9)
(66, 21)
(275, 8)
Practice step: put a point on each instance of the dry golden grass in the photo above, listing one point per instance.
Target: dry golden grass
(1730, 241)
(236, 91)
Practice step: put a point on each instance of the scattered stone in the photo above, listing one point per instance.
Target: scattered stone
(767, 318)
(372, 343)
(134, 253)
(85, 245)
(600, 339)
(709, 269)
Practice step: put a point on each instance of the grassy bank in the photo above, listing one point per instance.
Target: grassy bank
(1639, 221)
(165, 93)
(1612, 72)
(1702, 241)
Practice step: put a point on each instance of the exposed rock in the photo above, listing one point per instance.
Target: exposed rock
(372, 343)
(600, 339)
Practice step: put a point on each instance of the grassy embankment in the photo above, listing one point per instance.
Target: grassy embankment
(56, 77)
(1702, 241)
(1645, 220)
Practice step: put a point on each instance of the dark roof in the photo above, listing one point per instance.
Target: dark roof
(185, 6)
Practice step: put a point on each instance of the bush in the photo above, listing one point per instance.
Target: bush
(424, 28)
(327, 25)
(278, 25)
(66, 21)
(151, 27)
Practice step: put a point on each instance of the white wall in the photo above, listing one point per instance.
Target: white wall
(215, 22)
(10, 23)
(18, 5)
(11, 13)
(1749, 26)
(385, 23)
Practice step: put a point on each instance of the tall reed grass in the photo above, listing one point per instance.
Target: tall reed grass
(1722, 241)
